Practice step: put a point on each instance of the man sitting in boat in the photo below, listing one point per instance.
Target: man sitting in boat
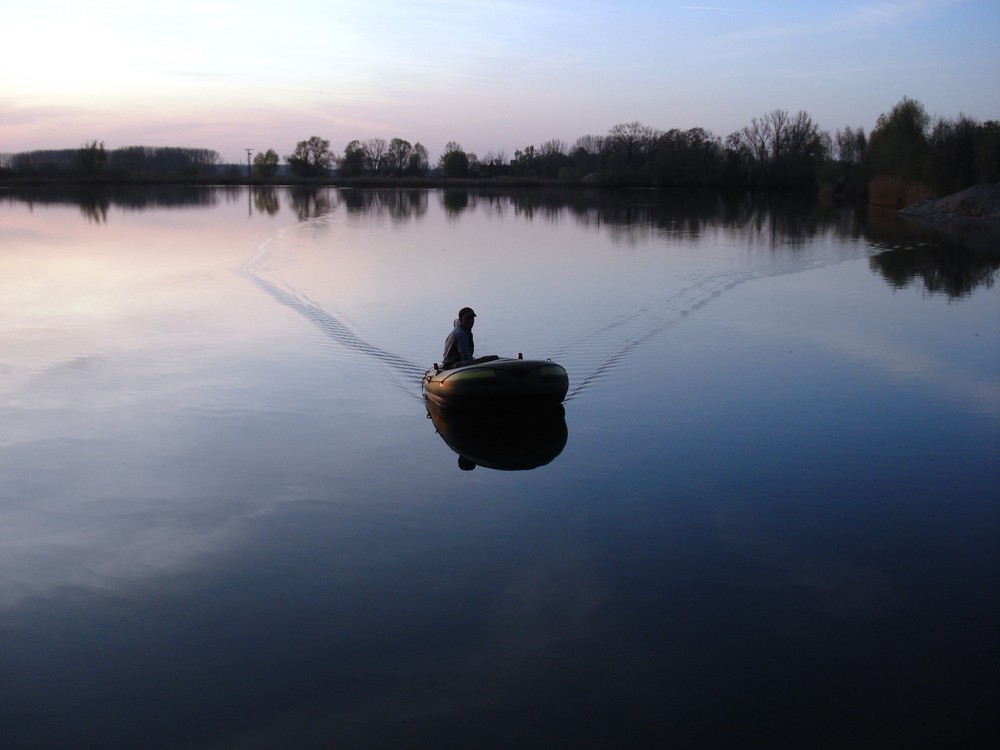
(459, 347)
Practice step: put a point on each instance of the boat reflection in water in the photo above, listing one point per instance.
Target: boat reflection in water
(508, 440)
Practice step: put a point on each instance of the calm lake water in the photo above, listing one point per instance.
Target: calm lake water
(768, 516)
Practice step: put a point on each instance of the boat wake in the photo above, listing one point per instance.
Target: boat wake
(400, 370)
(590, 354)
(601, 350)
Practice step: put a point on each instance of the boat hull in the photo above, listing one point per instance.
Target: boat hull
(501, 383)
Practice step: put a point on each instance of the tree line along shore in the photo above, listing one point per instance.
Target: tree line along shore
(908, 156)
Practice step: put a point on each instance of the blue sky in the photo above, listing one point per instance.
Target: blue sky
(494, 76)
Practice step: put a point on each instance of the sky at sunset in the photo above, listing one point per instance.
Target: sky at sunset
(494, 76)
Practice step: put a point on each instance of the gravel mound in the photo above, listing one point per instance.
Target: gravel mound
(979, 202)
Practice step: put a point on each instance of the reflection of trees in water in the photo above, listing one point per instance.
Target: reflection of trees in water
(951, 261)
(455, 201)
(632, 216)
(954, 271)
(311, 203)
(95, 209)
(95, 200)
(397, 205)
(768, 220)
(265, 200)
(375, 204)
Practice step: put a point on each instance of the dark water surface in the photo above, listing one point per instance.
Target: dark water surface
(769, 514)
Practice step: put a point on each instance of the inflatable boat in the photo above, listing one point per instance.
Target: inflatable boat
(502, 383)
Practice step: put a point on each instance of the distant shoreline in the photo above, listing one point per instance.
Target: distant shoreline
(221, 181)
(377, 182)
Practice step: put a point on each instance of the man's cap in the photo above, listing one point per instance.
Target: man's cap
(466, 311)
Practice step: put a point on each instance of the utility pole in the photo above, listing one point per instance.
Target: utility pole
(249, 151)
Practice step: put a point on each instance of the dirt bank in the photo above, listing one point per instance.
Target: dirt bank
(979, 202)
(970, 217)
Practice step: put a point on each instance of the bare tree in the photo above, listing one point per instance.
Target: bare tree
(631, 139)
(374, 151)
(496, 158)
(850, 145)
(778, 126)
(592, 145)
(756, 139)
(554, 146)
(495, 162)
(804, 139)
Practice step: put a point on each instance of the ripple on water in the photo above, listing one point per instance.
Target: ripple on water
(331, 275)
